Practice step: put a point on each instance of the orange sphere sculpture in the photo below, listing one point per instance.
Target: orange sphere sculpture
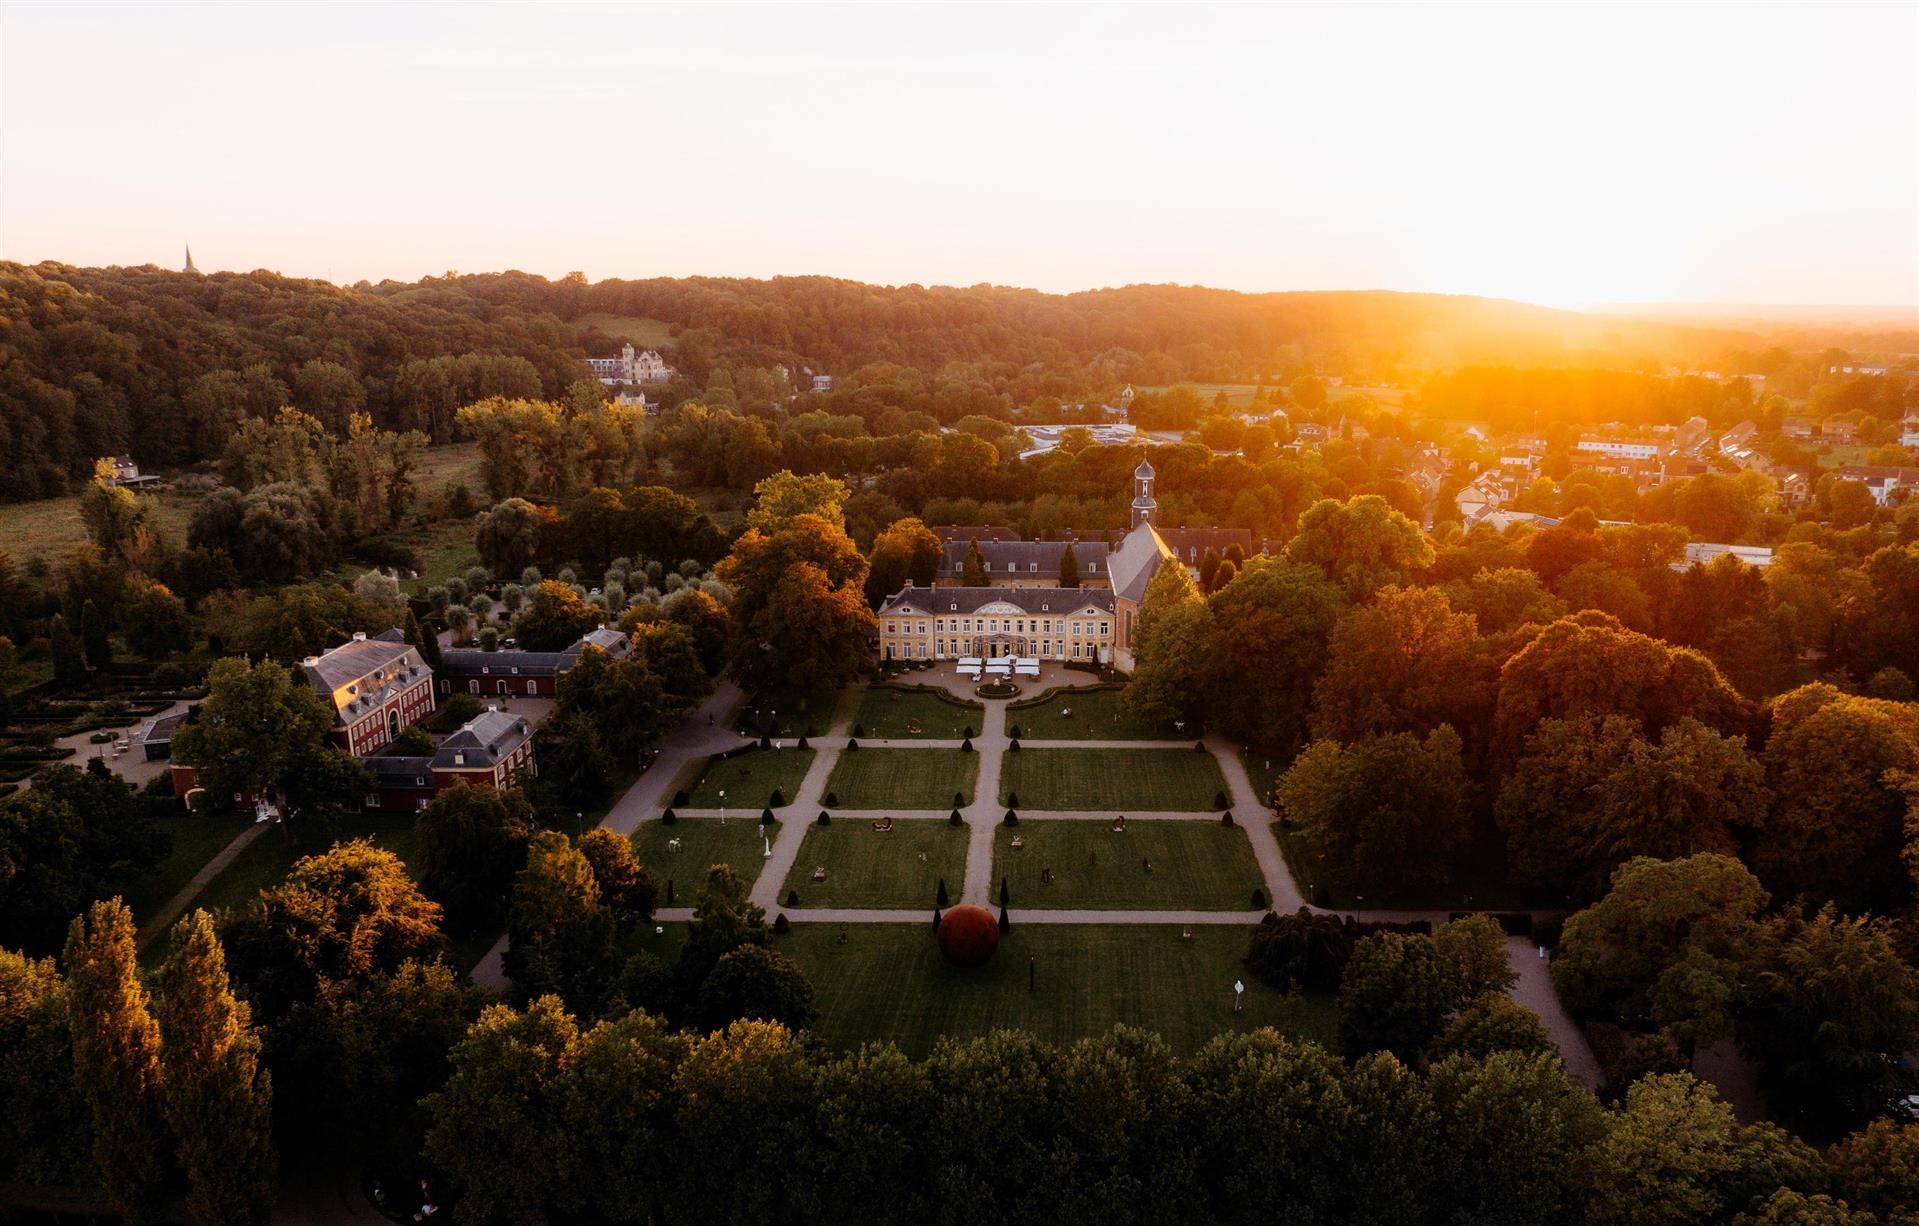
(968, 935)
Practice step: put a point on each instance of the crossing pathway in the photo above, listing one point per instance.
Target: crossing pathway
(703, 734)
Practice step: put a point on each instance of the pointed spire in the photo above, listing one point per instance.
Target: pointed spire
(190, 267)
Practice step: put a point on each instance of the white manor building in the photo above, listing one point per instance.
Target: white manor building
(630, 368)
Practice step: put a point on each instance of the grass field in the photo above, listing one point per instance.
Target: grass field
(792, 713)
(1112, 780)
(748, 779)
(902, 778)
(644, 333)
(196, 839)
(892, 714)
(1203, 866)
(888, 981)
(51, 527)
(703, 842)
(1264, 768)
(1096, 715)
(868, 868)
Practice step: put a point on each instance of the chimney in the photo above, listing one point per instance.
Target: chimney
(359, 636)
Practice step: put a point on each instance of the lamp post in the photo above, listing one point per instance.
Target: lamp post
(722, 806)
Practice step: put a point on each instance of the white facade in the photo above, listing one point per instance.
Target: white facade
(631, 368)
(1625, 449)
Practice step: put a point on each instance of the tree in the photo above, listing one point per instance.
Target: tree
(1361, 545)
(1396, 995)
(745, 1091)
(1588, 664)
(1267, 644)
(1308, 392)
(1669, 945)
(615, 1103)
(496, 1127)
(112, 513)
(559, 937)
(304, 620)
(93, 637)
(627, 889)
(427, 644)
(45, 1130)
(705, 619)
(255, 726)
(1877, 1168)
(472, 842)
(116, 1060)
(1168, 645)
(340, 918)
(973, 570)
(1514, 1138)
(158, 624)
(69, 663)
(75, 837)
(512, 536)
(783, 497)
(1263, 1107)
(1388, 809)
(1837, 998)
(1494, 1022)
(755, 982)
(723, 920)
(1589, 794)
(1474, 947)
(218, 1099)
(1068, 567)
(906, 552)
(1404, 663)
(1837, 825)
(555, 617)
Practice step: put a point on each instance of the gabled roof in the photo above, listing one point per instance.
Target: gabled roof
(965, 532)
(358, 676)
(931, 600)
(1022, 557)
(482, 741)
(1136, 561)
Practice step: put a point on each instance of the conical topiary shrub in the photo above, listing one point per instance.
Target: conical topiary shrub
(680, 798)
(959, 800)
(1226, 818)
(1219, 800)
(859, 729)
(782, 925)
(776, 800)
(766, 742)
(1012, 800)
(966, 746)
(967, 733)
(1013, 746)
(1005, 923)
(832, 798)
(826, 819)
(1199, 746)
(941, 900)
(766, 817)
(955, 819)
(792, 898)
(1012, 818)
(852, 746)
(1259, 897)
(669, 817)
(803, 744)
(1013, 732)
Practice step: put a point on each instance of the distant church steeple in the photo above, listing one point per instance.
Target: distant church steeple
(189, 267)
(1145, 509)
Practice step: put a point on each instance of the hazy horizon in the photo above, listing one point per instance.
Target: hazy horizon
(1732, 157)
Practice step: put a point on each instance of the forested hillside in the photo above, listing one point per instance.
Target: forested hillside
(166, 365)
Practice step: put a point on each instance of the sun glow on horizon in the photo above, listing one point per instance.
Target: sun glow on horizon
(1559, 154)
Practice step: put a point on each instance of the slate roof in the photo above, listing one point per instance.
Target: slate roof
(355, 677)
(400, 770)
(1020, 558)
(981, 533)
(483, 741)
(473, 662)
(1136, 562)
(936, 600)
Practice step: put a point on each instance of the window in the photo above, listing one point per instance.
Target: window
(1106, 628)
(889, 651)
(1075, 631)
(1032, 568)
(922, 651)
(502, 685)
(1092, 568)
(987, 567)
(372, 801)
(1076, 651)
(532, 686)
(892, 628)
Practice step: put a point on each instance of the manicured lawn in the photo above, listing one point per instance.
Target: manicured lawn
(1478, 879)
(748, 779)
(788, 712)
(1203, 866)
(1112, 780)
(644, 333)
(901, 867)
(197, 838)
(902, 778)
(265, 861)
(888, 982)
(894, 714)
(1264, 768)
(703, 842)
(1096, 715)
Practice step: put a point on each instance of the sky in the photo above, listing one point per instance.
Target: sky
(1561, 154)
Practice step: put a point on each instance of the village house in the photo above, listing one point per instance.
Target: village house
(493, 749)
(521, 674)
(1888, 485)
(375, 687)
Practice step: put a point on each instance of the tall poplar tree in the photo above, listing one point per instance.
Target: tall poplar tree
(116, 1060)
(218, 1100)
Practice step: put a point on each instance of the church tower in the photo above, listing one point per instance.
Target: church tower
(1145, 510)
(189, 267)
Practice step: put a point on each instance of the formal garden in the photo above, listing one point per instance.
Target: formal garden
(859, 861)
(748, 778)
(903, 779)
(889, 713)
(682, 851)
(1085, 714)
(1112, 780)
(1144, 865)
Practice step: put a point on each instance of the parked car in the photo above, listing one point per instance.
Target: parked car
(1904, 1108)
